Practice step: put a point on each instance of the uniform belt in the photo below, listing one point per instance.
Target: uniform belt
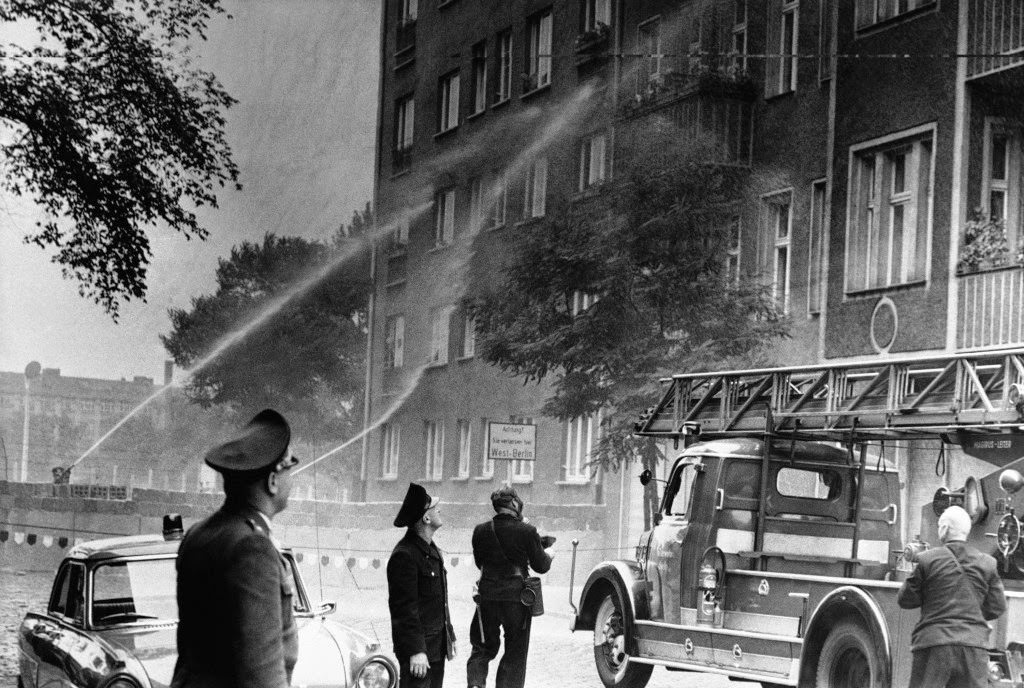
(504, 572)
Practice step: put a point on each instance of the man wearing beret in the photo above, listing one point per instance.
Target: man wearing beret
(421, 625)
(504, 549)
(235, 626)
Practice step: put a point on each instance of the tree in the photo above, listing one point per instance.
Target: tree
(306, 359)
(110, 129)
(606, 295)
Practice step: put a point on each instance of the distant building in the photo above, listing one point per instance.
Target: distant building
(869, 146)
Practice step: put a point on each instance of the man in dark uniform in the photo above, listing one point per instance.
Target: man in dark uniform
(421, 625)
(235, 626)
(504, 548)
(959, 591)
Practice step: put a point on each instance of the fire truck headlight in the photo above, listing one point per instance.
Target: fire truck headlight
(996, 672)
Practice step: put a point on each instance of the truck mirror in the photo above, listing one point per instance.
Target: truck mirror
(1011, 481)
(646, 477)
(974, 500)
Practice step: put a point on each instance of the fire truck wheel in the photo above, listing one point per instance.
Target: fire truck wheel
(849, 660)
(613, 665)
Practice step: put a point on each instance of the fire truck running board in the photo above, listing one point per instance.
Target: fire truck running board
(927, 397)
(744, 654)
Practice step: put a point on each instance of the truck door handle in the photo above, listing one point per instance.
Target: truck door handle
(720, 501)
(895, 514)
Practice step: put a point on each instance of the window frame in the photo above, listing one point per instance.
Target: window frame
(478, 77)
(539, 62)
(390, 450)
(448, 100)
(817, 246)
(433, 436)
(486, 463)
(878, 17)
(734, 251)
(535, 189)
(874, 203)
(394, 341)
(739, 32)
(503, 82)
(651, 60)
(587, 177)
(780, 243)
(1010, 186)
(444, 217)
(574, 466)
(465, 431)
(467, 348)
(405, 122)
(440, 335)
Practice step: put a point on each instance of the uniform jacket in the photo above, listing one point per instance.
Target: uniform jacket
(954, 606)
(418, 599)
(235, 628)
(503, 566)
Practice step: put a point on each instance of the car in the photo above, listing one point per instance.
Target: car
(112, 617)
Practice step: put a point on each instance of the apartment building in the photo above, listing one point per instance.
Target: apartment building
(881, 140)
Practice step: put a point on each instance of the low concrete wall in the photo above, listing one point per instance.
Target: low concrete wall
(336, 543)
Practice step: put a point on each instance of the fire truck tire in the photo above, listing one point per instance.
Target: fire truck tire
(613, 665)
(849, 659)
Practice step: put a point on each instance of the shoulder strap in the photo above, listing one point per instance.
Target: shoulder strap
(501, 547)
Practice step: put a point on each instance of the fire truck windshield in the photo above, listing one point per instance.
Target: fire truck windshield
(680, 488)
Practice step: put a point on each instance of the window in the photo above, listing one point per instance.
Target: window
(405, 30)
(538, 52)
(499, 203)
(448, 102)
(521, 470)
(536, 187)
(468, 337)
(595, 14)
(649, 47)
(444, 217)
(870, 12)
(783, 34)
(808, 484)
(390, 446)
(132, 590)
(890, 213)
(479, 77)
(394, 340)
(826, 39)
(434, 442)
(592, 166)
(504, 80)
(440, 320)
(400, 235)
(582, 301)
(680, 489)
(476, 204)
(816, 248)
(67, 598)
(732, 260)
(580, 435)
(695, 47)
(465, 447)
(779, 219)
(739, 35)
(407, 10)
(1001, 170)
(486, 463)
(405, 109)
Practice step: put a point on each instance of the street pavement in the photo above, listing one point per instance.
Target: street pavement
(557, 657)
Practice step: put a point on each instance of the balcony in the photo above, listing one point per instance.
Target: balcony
(592, 45)
(709, 103)
(401, 160)
(405, 41)
(990, 306)
(995, 35)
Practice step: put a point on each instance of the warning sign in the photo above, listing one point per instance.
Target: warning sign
(511, 441)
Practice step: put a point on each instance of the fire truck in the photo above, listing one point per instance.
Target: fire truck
(778, 548)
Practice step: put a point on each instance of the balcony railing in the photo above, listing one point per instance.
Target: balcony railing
(995, 35)
(990, 308)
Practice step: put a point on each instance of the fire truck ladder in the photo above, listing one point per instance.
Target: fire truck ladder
(918, 398)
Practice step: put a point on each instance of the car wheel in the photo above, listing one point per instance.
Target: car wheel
(849, 659)
(613, 665)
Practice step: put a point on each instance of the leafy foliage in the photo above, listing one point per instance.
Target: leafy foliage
(110, 129)
(984, 245)
(650, 248)
(307, 358)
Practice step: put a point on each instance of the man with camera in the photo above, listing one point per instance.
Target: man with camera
(505, 548)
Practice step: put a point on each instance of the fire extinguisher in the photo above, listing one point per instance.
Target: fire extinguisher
(709, 588)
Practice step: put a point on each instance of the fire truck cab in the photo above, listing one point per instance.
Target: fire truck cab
(777, 555)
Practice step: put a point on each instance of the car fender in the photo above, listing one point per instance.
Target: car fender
(843, 603)
(624, 578)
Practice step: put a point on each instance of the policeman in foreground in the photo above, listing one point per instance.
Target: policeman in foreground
(421, 626)
(959, 591)
(234, 588)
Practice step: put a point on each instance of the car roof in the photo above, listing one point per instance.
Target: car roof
(124, 546)
(799, 450)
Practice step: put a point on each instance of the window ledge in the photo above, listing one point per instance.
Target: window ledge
(499, 103)
(482, 478)
(401, 173)
(495, 228)
(578, 482)
(874, 291)
(445, 4)
(437, 364)
(521, 481)
(592, 191)
(891, 21)
(779, 96)
(447, 132)
(396, 283)
(476, 115)
(540, 89)
(460, 479)
(437, 248)
(529, 221)
(432, 480)
(387, 479)
(466, 358)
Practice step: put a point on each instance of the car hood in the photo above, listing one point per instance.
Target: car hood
(330, 654)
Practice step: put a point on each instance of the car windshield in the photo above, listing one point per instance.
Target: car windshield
(134, 590)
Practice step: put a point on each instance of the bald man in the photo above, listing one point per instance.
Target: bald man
(958, 591)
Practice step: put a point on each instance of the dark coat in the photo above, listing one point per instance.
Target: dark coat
(503, 565)
(236, 627)
(954, 607)
(418, 599)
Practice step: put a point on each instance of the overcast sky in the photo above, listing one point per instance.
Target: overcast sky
(305, 75)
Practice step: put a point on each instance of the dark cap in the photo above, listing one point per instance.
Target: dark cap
(507, 498)
(256, 447)
(416, 503)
